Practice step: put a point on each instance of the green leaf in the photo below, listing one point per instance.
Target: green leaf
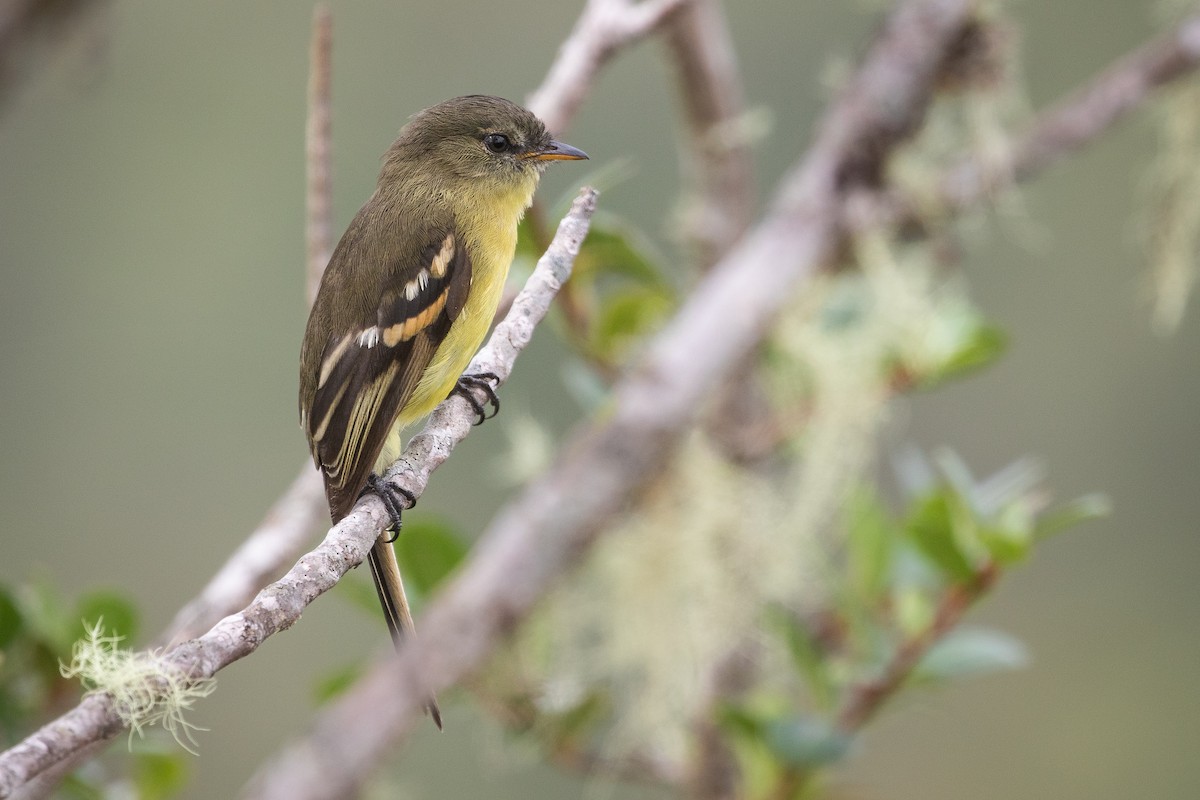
(576, 721)
(1005, 489)
(614, 247)
(334, 683)
(913, 609)
(428, 550)
(1007, 544)
(10, 619)
(870, 540)
(967, 652)
(159, 775)
(119, 616)
(934, 527)
(981, 345)
(808, 656)
(746, 732)
(1068, 515)
(740, 721)
(74, 787)
(626, 316)
(44, 611)
(803, 742)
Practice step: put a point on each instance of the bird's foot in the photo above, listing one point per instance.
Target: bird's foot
(482, 381)
(395, 500)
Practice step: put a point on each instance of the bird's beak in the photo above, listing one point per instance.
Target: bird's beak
(558, 151)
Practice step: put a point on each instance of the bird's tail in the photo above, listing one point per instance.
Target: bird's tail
(390, 587)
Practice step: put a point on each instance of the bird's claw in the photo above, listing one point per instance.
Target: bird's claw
(391, 496)
(466, 386)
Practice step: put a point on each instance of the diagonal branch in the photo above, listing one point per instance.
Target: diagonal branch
(1089, 111)
(279, 605)
(604, 28)
(550, 526)
(1067, 126)
(864, 700)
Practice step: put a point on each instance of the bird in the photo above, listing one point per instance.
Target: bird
(408, 296)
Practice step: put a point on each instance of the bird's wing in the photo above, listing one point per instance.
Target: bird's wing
(365, 376)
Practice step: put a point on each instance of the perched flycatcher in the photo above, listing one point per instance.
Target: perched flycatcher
(408, 296)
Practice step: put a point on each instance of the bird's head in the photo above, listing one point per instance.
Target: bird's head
(477, 139)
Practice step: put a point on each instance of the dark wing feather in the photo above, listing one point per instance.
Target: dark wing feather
(352, 395)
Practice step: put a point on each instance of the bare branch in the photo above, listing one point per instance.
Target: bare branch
(318, 137)
(1068, 125)
(718, 164)
(1092, 110)
(549, 527)
(604, 28)
(279, 605)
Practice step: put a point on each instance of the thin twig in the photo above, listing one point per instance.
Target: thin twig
(864, 700)
(538, 537)
(318, 149)
(1070, 124)
(604, 27)
(1090, 111)
(279, 605)
(720, 198)
(281, 536)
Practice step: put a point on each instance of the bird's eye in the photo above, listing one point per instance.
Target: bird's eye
(496, 142)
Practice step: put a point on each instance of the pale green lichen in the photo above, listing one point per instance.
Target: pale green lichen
(634, 640)
(146, 689)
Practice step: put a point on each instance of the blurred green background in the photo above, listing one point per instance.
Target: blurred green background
(151, 307)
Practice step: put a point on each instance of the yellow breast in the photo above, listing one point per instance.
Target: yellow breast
(489, 231)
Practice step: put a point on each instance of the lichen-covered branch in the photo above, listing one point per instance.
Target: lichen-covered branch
(1056, 132)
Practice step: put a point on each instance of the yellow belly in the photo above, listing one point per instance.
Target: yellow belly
(490, 249)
